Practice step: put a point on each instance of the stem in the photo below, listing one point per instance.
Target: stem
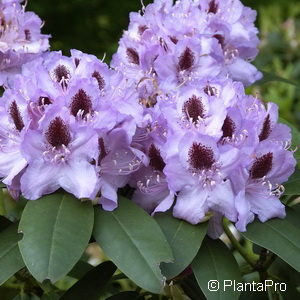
(119, 276)
(250, 258)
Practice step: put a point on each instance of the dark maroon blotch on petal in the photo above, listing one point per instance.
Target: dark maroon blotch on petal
(201, 157)
(213, 7)
(266, 129)
(156, 161)
(186, 59)
(194, 109)
(133, 56)
(102, 150)
(262, 166)
(228, 127)
(81, 102)
(16, 116)
(43, 100)
(58, 133)
(61, 72)
(100, 80)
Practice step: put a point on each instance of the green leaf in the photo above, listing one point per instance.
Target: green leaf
(295, 139)
(93, 284)
(56, 230)
(215, 261)
(10, 257)
(180, 234)
(292, 186)
(131, 295)
(281, 236)
(251, 295)
(80, 269)
(134, 242)
(4, 223)
(268, 77)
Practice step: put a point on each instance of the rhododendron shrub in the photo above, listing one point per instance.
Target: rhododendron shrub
(159, 157)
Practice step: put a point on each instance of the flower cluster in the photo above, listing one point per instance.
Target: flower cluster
(190, 40)
(171, 120)
(20, 37)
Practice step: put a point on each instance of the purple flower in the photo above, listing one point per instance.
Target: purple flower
(199, 173)
(60, 152)
(20, 38)
(258, 186)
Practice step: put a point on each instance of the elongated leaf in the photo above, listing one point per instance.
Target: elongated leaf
(134, 242)
(281, 236)
(268, 77)
(4, 223)
(10, 257)
(92, 285)
(56, 230)
(185, 240)
(214, 266)
(295, 139)
(80, 269)
(292, 187)
(131, 295)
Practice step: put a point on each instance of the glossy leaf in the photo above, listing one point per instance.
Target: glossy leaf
(134, 242)
(292, 186)
(130, 295)
(10, 257)
(295, 139)
(56, 230)
(4, 223)
(215, 261)
(185, 240)
(80, 269)
(268, 77)
(93, 284)
(281, 236)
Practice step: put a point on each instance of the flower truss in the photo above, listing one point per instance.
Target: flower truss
(169, 118)
(20, 38)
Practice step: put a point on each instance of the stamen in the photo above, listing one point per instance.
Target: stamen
(44, 101)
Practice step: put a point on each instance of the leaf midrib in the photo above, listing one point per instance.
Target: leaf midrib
(133, 242)
(52, 235)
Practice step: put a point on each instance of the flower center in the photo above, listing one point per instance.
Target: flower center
(266, 129)
(228, 127)
(193, 109)
(16, 116)
(58, 133)
(200, 157)
(156, 161)
(133, 56)
(186, 59)
(82, 103)
(261, 166)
